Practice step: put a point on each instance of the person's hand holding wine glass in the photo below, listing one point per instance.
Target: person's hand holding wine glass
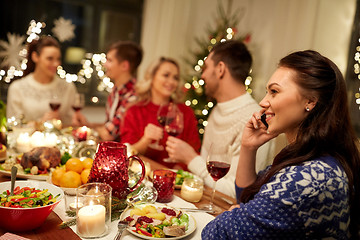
(174, 125)
(161, 118)
(218, 165)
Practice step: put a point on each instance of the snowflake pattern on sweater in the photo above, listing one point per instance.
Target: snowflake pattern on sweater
(309, 201)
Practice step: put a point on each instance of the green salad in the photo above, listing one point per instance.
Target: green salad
(27, 197)
(181, 175)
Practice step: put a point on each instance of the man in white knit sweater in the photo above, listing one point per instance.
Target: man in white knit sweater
(224, 73)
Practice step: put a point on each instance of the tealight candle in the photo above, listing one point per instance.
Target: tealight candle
(192, 189)
(72, 206)
(91, 220)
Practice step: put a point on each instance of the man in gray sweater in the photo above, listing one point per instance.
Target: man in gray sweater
(224, 72)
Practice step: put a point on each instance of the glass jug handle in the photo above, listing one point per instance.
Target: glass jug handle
(143, 171)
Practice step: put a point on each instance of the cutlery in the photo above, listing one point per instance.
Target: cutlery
(122, 225)
(197, 210)
(13, 178)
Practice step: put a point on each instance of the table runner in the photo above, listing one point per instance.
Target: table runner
(201, 220)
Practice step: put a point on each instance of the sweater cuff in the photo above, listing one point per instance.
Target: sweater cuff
(238, 191)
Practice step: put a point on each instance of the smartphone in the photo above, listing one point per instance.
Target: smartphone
(263, 120)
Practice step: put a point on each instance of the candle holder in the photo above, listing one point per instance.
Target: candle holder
(192, 189)
(164, 183)
(93, 210)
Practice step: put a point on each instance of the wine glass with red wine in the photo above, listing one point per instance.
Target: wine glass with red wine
(218, 165)
(161, 118)
(174, 125)
(55, 102)
(79, 102)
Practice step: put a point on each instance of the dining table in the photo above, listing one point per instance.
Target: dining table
(50, 229)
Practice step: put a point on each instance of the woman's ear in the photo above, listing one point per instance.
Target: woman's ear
(311, 103)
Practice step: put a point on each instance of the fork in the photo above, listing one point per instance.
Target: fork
(121, 228)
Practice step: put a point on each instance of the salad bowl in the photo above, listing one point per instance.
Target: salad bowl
(25, 219)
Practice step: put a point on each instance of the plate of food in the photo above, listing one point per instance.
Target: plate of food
(153, 221)
(35, 164)
(40, 177)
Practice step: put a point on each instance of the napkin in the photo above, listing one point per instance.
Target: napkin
(201, 220)
(10, 236)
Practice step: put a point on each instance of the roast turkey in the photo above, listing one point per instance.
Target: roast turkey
(42, 157)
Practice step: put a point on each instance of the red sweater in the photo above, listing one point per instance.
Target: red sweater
(140, 115)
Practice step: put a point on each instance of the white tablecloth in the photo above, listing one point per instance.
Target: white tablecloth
(201, 220)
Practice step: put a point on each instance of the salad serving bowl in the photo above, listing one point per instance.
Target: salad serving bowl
(24, 219)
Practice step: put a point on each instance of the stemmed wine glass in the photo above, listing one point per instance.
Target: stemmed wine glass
(161, 118)
(79, 102)
(174, 125)
(55, 102)
(218, 165)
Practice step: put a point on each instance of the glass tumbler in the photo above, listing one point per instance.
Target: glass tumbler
(93, 210)
(164, 183)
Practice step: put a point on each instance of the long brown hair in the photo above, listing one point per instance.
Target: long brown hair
(37, 46)
(327, 130)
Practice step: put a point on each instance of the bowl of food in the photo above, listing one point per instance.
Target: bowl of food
(30, 205)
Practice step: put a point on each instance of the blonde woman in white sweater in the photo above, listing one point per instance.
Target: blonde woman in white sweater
(224, 73)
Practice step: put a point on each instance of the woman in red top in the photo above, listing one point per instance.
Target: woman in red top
(141, 129)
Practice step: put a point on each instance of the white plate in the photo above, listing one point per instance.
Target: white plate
(25, 176)
(191, 228)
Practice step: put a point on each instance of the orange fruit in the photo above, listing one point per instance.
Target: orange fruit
(70, 179)
(74, 164)
(56, 175)
(85, 175)
(87, 163)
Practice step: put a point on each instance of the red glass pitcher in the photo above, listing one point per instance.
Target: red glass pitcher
(111, 166)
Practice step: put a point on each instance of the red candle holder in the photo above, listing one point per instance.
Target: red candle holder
(164, 183)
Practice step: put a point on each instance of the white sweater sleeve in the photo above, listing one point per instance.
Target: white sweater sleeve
(14, 103)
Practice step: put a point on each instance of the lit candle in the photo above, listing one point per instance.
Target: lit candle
(50, 139)
(23, 142)
(72, 206)
(37, 139)
(91, 221)
(192, 189)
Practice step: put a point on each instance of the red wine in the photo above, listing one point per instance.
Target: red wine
(55, 106)
(217, 170)
(76, 108)
(173, 132)
(163, 120)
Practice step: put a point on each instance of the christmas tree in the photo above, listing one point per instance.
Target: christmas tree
(224, 30)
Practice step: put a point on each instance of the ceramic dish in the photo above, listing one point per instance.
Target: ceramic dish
(191, 228)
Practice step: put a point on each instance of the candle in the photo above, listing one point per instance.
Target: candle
(50, 139)
(91, 221)
(37, 139)
(23, 142)
(72, 206)
(192, 189)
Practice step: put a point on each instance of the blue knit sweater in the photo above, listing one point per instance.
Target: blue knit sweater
(309, 201)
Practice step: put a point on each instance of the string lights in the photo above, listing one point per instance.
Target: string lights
(195, 86)
(91, 64)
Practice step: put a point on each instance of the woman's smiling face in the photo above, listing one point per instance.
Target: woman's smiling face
(165, 81)
(285, 105)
